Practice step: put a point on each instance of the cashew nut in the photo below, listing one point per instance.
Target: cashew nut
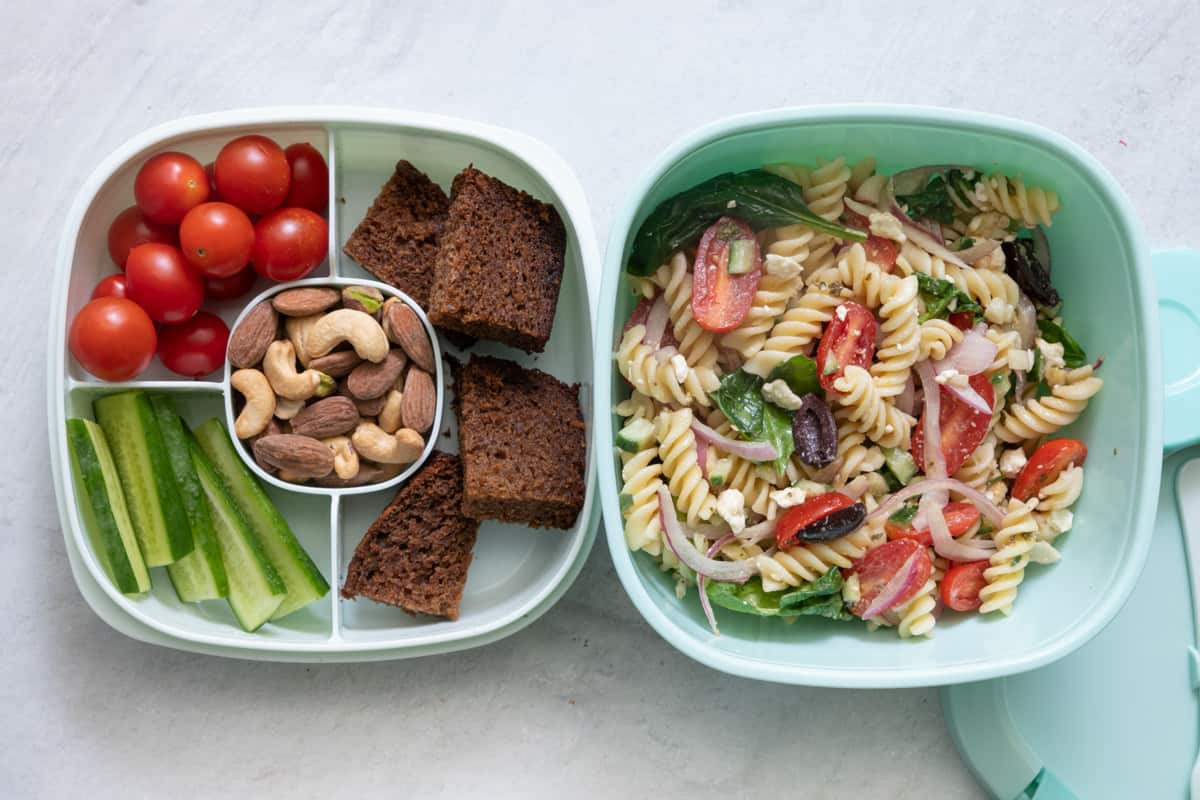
(279, 364)
(286, 408)
(297, 329)
(345, 459)
(260, 402)
(346, 325)
(374, 443)
(291, 477)
(389, 415)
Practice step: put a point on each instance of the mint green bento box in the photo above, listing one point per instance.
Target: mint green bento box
(1102, 270)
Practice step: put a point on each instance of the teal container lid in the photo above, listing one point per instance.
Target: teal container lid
(1120, 717)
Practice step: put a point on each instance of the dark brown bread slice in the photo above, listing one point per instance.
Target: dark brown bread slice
(397, 240)
(500, 264)
(521, 437)
(416, 554)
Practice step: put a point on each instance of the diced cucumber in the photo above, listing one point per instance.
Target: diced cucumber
(741, 256)
(158, 515)
(718, 472)
(303, 580)
(102, 505)
(902, 465)
(636, 436)
(199, 575)
(255, 588)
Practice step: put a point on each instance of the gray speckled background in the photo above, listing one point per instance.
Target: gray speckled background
(588, 700)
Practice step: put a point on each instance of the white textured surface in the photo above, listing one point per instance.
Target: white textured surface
(587, 701)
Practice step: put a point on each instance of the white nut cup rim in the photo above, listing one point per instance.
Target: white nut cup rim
(330, 491)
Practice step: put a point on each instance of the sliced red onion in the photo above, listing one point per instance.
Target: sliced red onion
(656, 322)
(827, 473)
(896, 589)
(1026, 320)
(857, 487)
(935, 459)
(665, 354)
(686, 552)
(981, 249)
(927, 241)
(751, 451)
(702, 456)
(860, 208)
(971, 397)
(971, 356)
(700, 584)
(756, 533)
(906, 401)
(945, 544)
(989, 510)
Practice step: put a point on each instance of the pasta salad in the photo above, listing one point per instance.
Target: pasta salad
(802, 335)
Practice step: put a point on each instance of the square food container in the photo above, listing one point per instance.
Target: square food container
(517, 572)
(1102, 270)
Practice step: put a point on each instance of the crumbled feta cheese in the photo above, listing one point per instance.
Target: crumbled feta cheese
(812, 487)
(782, 266)
(779, 393)
(791, 496)
(885, 226)
(731, 204)
(1053, 524)
(999, 311)
(952, 377)
(1011, 462)
(1043, 553)
(731, 505)
(1052, 354)
(993, 261)
(889, 428)
(851, 590)
(841, 312)
(1021, 360)
(679, 366)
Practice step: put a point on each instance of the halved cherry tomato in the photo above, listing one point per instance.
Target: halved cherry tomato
(639, 315)
(112, 286)
(168, 186)
(849, 338)
(131, 228)
(963, 428)
(879, 566)
(960, 518)
(1047, 463)
(720, 300)
(310, 178)
(808, 512)
(195, 347)
(216, 239)
(235, 285)
(961, 585)
(963, 320)
(880, 251)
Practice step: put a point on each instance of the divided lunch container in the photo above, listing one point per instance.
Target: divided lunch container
(517, 572)
(1102, 270)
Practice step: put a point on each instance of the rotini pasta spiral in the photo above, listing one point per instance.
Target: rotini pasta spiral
(901, 336)
(743, 475)
(799, 174)
(697, 345)
(807, 562)
(916, 616)
(860, 172)
(998, 192)
(980, 467)
(1014, 540)
(770, 301)
(657, 378)
(792, 334)
(827, 189)
(790, 241)
(1036, 417)
(1063, 491)
(862, 277)
(1008, 347)
(882, 422)
(983, 285)
(854, 453)
(937, 336)
(677, 449)
(637, 406)
(641, 476)
(643, 287)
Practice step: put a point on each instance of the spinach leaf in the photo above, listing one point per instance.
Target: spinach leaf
(1073, 354)
(964, 243)
(777, 429)
(800, 374)
(740, 399)
(942, 298)
(822, 597)
(931, 203)
(762, 199)
(1035, 372)
(744, 598)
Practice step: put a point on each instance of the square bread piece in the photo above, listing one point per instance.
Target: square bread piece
(397, 241)
(416, 554)
(500, 264)
(521, 436)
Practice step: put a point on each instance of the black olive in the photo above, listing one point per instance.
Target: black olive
(815, 432)
(835, 525)
(1022, 265)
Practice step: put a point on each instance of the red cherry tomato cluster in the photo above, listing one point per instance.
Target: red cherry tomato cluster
(200, 232)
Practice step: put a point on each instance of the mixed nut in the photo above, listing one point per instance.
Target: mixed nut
(343, 395)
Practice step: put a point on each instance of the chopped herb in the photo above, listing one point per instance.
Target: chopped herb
(904, 515)
(1035, 372)
(964, 243)
(942, 297)
(1073, 354)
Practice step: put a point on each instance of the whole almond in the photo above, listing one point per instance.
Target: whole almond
(274, 428)
(305, 300)
(368, 472)
(366, 299)
(419, 402)
(366, 408)
(404, 327)
(337, 364)
(250, 339)
(325, 418)
(302, 456)
(368, 381)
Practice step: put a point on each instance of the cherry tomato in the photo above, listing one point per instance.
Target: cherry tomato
(849, 339)
(963, 320)
(289, 243)
(960, 518)
(879, 566)
(160, 281)
(216, 239)
(233, 286)
(112, 338)
(720, 299)
(131, 228)
(213, 195)
(195, 347)
(963, 428)
(961, 585)
(310, 178)
(1047, 463)
(168, 186)
(639, 316)
(252, 172)
(112, 286)
(880, 251)
(814, 508)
